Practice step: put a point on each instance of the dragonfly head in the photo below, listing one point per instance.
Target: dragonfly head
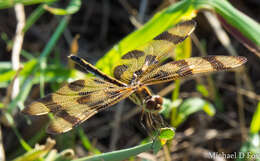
(153, 104)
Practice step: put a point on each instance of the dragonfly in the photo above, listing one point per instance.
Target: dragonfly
(77, 101)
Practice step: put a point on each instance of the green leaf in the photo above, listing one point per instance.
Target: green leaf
(72, 8)
(11, 3)
(1, 105)
(190, 106)
(250, 149)
(168, 106)
(166, 134)
(7, 76)
(255, 123)
(202, 89)
(28, 67)
(209, 109)
(156, 146)
(183, 50)
(37, 152)
(66, 140)
(119, 154)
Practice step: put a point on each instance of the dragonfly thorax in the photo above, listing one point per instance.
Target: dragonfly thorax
(153, 104)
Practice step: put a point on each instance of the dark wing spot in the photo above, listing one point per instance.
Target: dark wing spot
(85, 93)
(66, 116)
(187, 23)
(216, 64)
(87, 101)
(184, 68)
(119, 70)
(170, 37)
(133, 54)
(46, 100)
(112, 93)
(139, 72)
(84, 99)
(160, 74)
(180, 63)
(50, 104)
(150, 59)
(94, 104)
(241, 59)
(184, 71)
(108, 103)
(99, 81)
(77, 85)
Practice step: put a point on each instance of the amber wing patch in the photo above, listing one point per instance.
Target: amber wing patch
(142, 60)
(191, 66)
(76, 102)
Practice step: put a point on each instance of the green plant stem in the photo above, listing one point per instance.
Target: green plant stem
(176, 91)
(48, 48)
(21, 140)
(11, 3)
(255, 123)
(72, 8)
(120, 154)
(86, 143)
(34, 17)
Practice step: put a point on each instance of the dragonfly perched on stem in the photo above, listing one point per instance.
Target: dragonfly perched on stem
(76, 102)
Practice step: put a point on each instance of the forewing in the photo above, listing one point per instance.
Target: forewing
(191, 66)
(144, 59)
(76, 102)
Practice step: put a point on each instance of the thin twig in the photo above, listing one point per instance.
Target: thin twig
(249, 94)
(18, 42)
(142, 10)
(198, 44)
(128, 7)
(135, 22)
(105, 20)
(241, 111)
(2, 150)
(220, 33)
(166, 153)
(132, 12)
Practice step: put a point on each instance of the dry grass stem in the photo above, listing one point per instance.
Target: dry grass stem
(18, 42)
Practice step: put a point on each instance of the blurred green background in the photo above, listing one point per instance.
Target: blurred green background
(212, 114)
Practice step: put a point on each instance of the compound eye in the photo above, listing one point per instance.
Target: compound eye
(154, 104)
(151, 104)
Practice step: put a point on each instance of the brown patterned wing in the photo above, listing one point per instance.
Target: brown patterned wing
(191, 66)
(76, 102)
(137, 62)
